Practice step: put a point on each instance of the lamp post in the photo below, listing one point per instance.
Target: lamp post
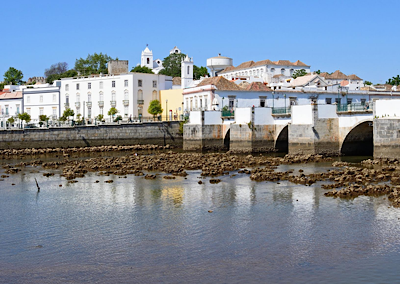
(166, 106)
(222, 103)
(273, 100)
(182, 110)
(284, 96)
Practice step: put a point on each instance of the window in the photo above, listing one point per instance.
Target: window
(148, 60)
(262, 101)
(232, 102)
(67, 99)
(54, 111)
(89, 112)
(28, 110)
(101, 110)
(126, 95)
(283, 71)
(188, 69)
(100, 85)
(139, 83)
(363, 101)
(338, 101)
(272, 70)
(125, 83)
(28, 99)
(78, 98)
(6, 109)
(140, 95)
(67, 87)
(101, 96)
(54, 98)
(89, 85)
(18, 107)
(126, 111)
(349, 101)
(195, 103)
(89, 97)
(205, 103)
(328, 101)
(113, 84)
(41, 98)
(292, 101)
(41, 111)
(113, 96)
(77, 86)
(154, 95)
(154, 84)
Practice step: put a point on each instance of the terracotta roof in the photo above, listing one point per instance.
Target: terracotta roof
(344, 83)
(176, 81)
(258, 87)
(220, 83)
(338, 75)
(244, 84)
(8, 95)
(277, 75)
(249, 64)
(304, 80)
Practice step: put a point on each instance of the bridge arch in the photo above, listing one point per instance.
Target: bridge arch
(227, 139)
(282, 140)
(359, 141)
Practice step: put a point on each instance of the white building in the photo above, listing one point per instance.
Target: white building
(264, 69)
(155, 65)
(129, 93)
(42, 100)
(10, 105)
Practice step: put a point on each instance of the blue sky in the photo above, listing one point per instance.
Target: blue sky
(354, 36)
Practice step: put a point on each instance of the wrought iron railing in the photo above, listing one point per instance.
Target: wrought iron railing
(355, 107)
(227, 113)
(281, 110)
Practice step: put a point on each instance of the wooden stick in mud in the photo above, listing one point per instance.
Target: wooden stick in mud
(38, 187)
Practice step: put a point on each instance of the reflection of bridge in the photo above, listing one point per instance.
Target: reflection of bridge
(307, 129)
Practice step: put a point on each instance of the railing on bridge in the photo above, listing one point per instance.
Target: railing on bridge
(227, 113)
(281, 110)
(355, 107)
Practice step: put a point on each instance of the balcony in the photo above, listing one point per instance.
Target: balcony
(89, 104)
(140, 102)
(77, 104)
(101, 103)
(126, 102)
(227, 113)
(66, 105)
(355, 107)
(113, 103)
(281, 110)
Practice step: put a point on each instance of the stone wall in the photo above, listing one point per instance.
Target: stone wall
(198, 137)
(158, 133)
(386, 138)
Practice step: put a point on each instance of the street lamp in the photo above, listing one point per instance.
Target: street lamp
(166, 111)
(285, 101)
(222, 103)
(273, 100)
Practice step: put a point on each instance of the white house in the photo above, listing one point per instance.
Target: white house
(129, 93)
(10, 105)
(42, 100)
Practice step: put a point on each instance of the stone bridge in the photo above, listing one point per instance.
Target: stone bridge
(306, 129)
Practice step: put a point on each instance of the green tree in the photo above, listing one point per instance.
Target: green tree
(172, 65)
(113, 111)
(299, 73)
(68, 74)
(67, 114)
(42, 119)
(140, 69)
(57, 68)
(318, 71)
(93, 64)
(155, 108)
(199, 72)
(24, 117)
(395, 81)
(13, 76)
(2, 85)
(368, 83)
(11, 120)
(100, 117)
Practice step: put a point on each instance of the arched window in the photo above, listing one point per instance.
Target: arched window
(78, 97)
(291, 71)
(89, 97)
(113, 96)
(272, 70)
(154, 95)
(140, 95)
(188, 69)
(101, 96)
(148, 60)
(283, 71)
(126, 95)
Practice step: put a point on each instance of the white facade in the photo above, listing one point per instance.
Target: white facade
(186, 72)
(147, 58)
(42, 101)
(10, 105)
(129, 93)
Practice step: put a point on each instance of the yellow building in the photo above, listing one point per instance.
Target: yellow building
(172, 104)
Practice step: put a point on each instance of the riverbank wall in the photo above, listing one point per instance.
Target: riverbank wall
(156, 133)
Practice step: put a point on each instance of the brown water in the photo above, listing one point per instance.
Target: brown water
(160, 231)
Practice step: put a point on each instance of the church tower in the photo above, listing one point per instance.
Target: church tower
(147, 58)
(186, 72)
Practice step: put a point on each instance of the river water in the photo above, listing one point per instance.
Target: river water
(160, 231)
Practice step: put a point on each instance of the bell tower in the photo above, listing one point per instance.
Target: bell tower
(186, 72)
(147, 58)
